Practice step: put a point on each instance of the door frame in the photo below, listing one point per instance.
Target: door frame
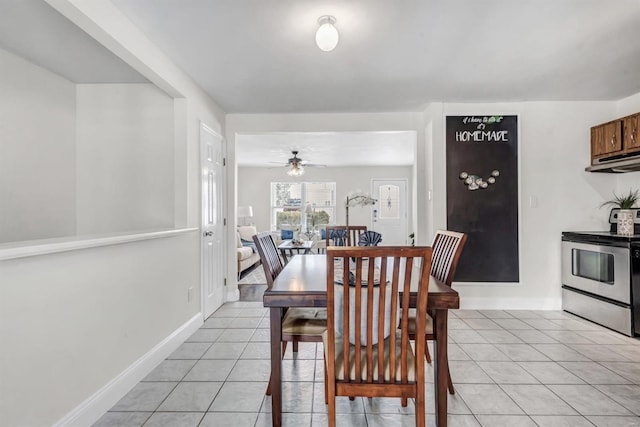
(223, 209)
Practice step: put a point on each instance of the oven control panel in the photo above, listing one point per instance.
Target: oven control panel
(613, 216)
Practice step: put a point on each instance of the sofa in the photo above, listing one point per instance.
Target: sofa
(247, 254)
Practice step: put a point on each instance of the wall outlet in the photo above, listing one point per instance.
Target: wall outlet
(190, 294)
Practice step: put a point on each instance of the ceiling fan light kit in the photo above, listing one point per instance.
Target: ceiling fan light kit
(296, 170)
(296, 166)
(327, 35)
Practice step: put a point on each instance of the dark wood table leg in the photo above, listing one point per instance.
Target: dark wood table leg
(284, 255)
(440, 368)
(276, 365)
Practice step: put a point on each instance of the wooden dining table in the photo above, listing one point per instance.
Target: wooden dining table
(303, 283)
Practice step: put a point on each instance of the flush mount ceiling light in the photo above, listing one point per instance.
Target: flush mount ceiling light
(327, 35)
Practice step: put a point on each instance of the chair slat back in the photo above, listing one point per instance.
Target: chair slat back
(447, 248)
(364, 316)
(271, 261)
(351, 234)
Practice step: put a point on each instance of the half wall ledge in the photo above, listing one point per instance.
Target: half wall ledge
(48, 246)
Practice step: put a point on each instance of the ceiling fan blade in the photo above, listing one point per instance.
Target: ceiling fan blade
(314, 165)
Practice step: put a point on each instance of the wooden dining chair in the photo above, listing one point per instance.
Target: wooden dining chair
(365, 354)
(298, 324)
(447, 248)
(341, 235)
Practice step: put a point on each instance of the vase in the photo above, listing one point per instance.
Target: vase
(625, 222)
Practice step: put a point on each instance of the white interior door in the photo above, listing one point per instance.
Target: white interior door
(212, 220)
(390, 210)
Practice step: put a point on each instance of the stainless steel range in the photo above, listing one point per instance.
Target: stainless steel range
(601, 276)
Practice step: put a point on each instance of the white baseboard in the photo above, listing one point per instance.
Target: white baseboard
(89, 411)
(233, 295)
(494, 303)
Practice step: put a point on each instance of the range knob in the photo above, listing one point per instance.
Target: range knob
(636, 253)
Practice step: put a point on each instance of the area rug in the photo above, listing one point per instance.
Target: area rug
(252, 284)
(253, 276)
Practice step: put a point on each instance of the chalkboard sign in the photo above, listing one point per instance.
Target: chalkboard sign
(482, 195)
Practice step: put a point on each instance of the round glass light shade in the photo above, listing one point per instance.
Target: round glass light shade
(296, 171)
(327, 35)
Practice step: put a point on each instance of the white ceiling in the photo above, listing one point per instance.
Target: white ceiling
(334, 149)
(35, 31)
(259, 56)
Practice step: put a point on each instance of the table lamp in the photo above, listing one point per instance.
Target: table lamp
(245, 212)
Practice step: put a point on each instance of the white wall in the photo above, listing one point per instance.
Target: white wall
(254, 188)
(125, 151)
(37, 152)
(554, 150)
(71, 322)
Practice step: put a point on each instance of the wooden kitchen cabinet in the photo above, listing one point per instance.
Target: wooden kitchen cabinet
(606, 140)
(631, 130)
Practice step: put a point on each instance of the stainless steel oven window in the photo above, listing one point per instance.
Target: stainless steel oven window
(616, 284)
(592, 265)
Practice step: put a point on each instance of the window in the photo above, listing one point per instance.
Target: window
(302, 205)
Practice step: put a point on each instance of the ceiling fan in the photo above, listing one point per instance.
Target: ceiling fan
(296, 165)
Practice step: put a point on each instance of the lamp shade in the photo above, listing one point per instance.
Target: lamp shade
(327, 35)
(245, 211)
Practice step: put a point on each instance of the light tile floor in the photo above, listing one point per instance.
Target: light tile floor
(510, 368)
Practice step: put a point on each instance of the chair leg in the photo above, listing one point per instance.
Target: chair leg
(331, 395)
(420, 406)
(404, 401)
(284, 348)
(427, 355)
(326, 393)
(450, 385)
(295, 346)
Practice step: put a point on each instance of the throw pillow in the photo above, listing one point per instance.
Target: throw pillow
(249, 245)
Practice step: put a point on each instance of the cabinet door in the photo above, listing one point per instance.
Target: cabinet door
(632, 133)
(612, 137)
(606, 140)
(597, 142)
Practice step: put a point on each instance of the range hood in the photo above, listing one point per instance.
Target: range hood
(620, 165)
